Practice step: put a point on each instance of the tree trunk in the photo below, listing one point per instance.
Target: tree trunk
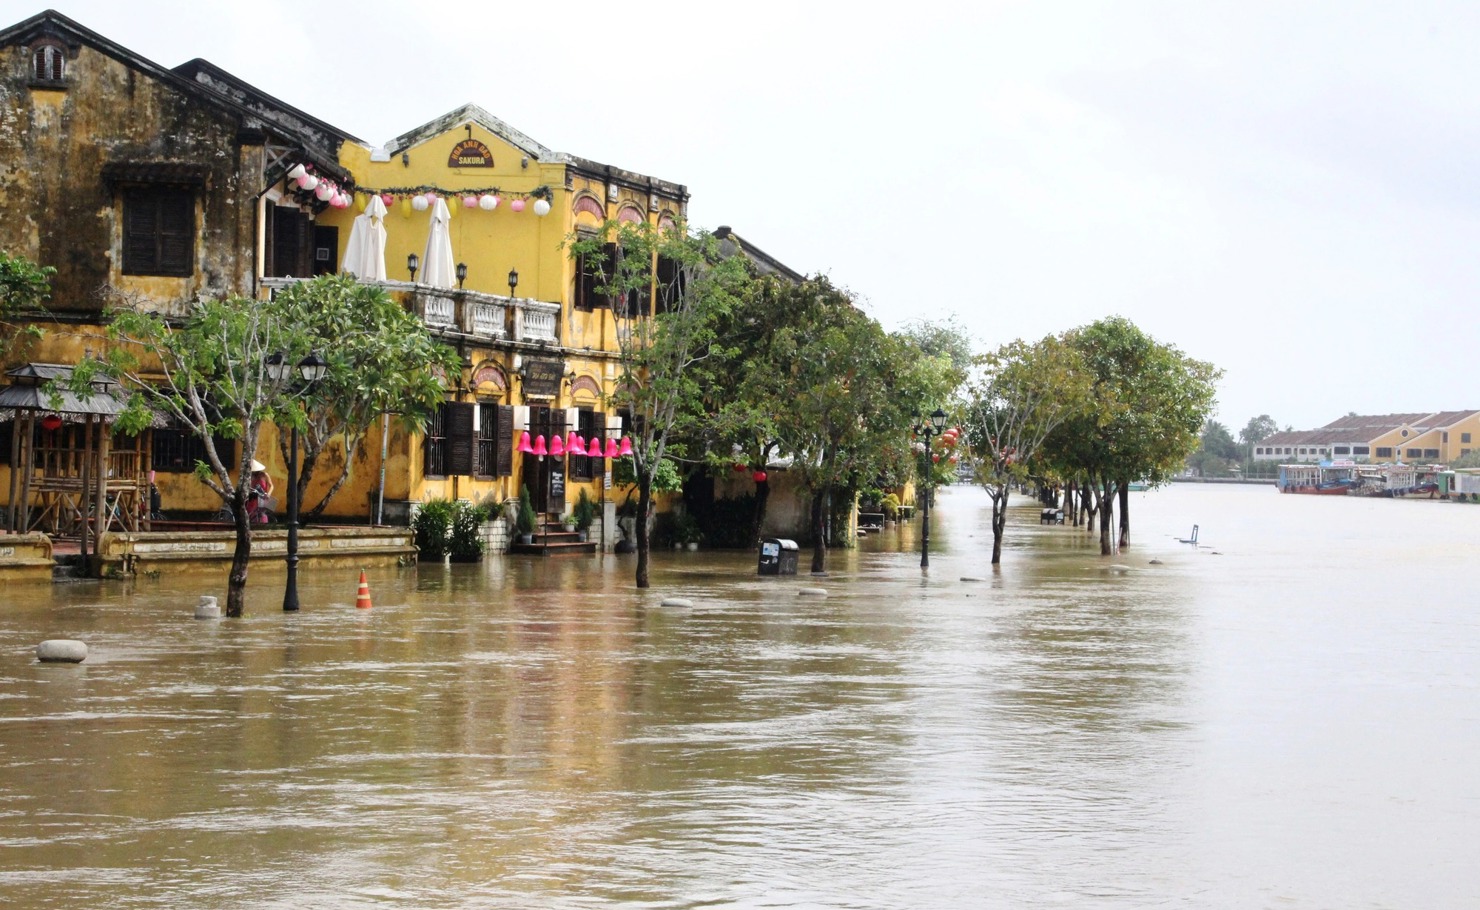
(1107, 517)
(640, 528)
(236, 581)
(819, 538)
(999, 521)
(1091, 505)
(1125, 515)
(762, 494)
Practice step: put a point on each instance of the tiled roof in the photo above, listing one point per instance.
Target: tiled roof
(1361, 428)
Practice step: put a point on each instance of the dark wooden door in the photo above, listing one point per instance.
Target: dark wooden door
(546, 476)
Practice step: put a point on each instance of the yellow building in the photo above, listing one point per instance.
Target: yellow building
(537, 344)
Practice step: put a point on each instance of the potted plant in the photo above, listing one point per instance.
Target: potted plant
(568, 522)
(584, 513)
(527, 520)
(465, 542)
(431, 526)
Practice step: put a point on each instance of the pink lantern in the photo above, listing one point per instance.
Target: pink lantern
(524, 445)
(759, 477)
(539, 446)
(611, 448)
(517, 205)
(470, 202)
(431, 198)
(307, 182)
(323, 191)
(626, 448)
(388, 199)
(571, 442)
(557, 447)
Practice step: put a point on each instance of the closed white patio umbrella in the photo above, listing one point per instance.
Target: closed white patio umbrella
(364, 253)
(437, 263)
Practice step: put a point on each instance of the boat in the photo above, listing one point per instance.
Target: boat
(1324, 479)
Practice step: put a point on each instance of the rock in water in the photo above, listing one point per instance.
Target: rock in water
(207, 608)
(61, 651)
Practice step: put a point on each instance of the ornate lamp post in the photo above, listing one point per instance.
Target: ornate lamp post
(926, 430)
(303, 378)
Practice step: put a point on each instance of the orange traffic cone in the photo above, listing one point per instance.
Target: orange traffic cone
(362, 598)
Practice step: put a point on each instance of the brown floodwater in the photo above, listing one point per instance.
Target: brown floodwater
(1285, 716)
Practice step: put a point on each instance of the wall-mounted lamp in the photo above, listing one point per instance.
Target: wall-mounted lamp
(405, 159)
(513, 281)
(462, 274)
(524, 161)
(412, 261)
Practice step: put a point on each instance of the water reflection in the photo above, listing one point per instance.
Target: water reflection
(539, 733)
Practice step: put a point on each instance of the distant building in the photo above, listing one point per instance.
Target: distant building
(1432, 436)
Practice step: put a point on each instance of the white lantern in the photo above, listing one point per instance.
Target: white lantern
(419, 203)
(297, 172)
(324, 191)
(542, 207)
(488, 202)
(307, 182)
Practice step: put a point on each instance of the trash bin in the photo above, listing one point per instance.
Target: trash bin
(778, 557)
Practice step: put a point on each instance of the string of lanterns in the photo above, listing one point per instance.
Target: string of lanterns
(418, 198)
(573, 445)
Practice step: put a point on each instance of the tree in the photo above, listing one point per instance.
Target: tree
(208, 373)
(1022, 393)
(1147, 406)
(668, 291)
(382, 360)
(1258, 429)
(24, 288)
(1216, 451)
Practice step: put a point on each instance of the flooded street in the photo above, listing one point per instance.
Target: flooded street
(1285, 716)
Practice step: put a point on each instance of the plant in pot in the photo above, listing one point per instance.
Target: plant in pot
(686, 531)
(431, 525)
(527, 520)
(584, 513)
(465, 543)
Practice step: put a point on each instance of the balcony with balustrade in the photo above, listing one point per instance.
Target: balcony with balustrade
(472, 315)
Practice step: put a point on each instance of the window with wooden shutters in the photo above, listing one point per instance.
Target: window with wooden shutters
(592, 428)
(487, 436)
(158, 231)
(458, 425)
(434, 445)
(503, 445)
(49, 63)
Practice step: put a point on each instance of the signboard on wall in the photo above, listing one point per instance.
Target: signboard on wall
(542, 377)
(557, 489)
(470, 153)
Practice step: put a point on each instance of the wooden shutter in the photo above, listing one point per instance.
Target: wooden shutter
(140, 228)
(176, 233)
(503, 444)
(461, 444)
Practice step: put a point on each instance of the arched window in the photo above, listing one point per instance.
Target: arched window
(48, 62)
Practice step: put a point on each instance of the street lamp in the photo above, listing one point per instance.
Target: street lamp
(462, 274)
(303, 378)
(513, 281)
(412, 261)
(934, 427)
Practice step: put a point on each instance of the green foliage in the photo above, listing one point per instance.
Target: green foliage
(432, 526)
(686, 529)
(527, 521)
(584, 511)
(1258, 429)
(1216, 452)
(465, 542)
(890, 505)
(24, 288)
(382, 359)
(666, 328)
(665, 477)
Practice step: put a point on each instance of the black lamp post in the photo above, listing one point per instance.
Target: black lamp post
(412, 261)
(934, 427)
(308, 373)
(513, 281)
(462, 274)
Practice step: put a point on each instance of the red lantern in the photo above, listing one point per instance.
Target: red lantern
(51, 423)
(738, 467)
(759, 477)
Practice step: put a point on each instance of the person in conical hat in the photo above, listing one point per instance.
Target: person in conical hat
(259, 499)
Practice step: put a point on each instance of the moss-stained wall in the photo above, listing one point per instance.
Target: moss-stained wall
(60, 210)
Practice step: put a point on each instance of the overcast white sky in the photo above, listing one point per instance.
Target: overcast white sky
(1286, 189)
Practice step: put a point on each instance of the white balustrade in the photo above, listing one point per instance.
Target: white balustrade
(488, 320)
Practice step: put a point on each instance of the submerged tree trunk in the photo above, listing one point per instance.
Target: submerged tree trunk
(1107, 516)
(762, 494)
(640, 528)
(819, 537)
(999, 520)
(1125, 515)
(236, 581)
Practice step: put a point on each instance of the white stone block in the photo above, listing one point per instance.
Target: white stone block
(61, 650)
(207, 608)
